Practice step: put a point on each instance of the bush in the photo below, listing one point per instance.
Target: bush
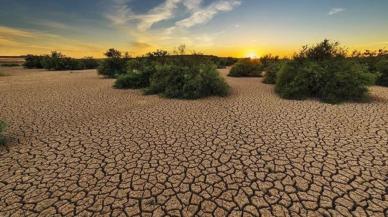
(268, 60)
(321, 51)
(382, 68)
(246, 68)
(173, 76)
(114, 64)
(370, 58)
(298, 80)
(331, 81)
(187, 82)
(223, 62)
(33, 62)
(57, 61)
(54, 61)
(130, 80)
(324, 72)
(2, 128)
(89, 63)
(345, 80)
(271, 72)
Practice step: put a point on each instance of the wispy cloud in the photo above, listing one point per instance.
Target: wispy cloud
(204, 15)
(334, 11)
(52, 24)
(6, 31)
(121, 13)
(140, 45)
(180, 16)
(192, 5)
(157, 14)
(16, 41)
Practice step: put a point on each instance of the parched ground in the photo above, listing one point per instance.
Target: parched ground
(78, 147)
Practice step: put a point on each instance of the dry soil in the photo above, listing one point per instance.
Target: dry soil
(78, 147)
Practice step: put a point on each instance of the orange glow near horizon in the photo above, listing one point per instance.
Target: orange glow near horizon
(254, 52)
(252, 55)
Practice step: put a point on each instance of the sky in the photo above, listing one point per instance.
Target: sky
(237, 28)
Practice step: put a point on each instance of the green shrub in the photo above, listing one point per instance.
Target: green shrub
(324, 72)
(89, 63)
(344, 80)
(382, 68)
(139, 72)
(322, 51)
(57, 61)
(173, 76)
(115, 64)
(130, 80)
(2, 128)
(33, 62)
(271, 72)
(370, 58)
(223, 62)
(54, 61)
(298, 80)
(268, 60)
(331, 81)
(246, 68)
(187, 82)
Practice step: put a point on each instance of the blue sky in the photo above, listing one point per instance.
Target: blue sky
(221, 27)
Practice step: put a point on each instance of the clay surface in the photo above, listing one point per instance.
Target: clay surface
(78, 147)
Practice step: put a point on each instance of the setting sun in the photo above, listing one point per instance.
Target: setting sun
(252, 55)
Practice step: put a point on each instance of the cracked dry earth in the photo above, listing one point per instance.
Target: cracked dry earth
(78, 147)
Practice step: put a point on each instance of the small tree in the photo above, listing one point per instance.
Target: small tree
(114, 64)
(321, 51)
(113, 53)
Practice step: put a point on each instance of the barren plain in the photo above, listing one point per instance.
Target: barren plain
(78, 147)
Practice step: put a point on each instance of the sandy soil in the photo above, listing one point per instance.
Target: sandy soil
(78, 147)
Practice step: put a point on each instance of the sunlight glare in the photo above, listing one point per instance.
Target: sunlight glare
(252, 55)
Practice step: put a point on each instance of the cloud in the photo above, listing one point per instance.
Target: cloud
(157, 14)
(122, 14)
(119, 12)
(192, 5)
(16, 41)
(334, 11)
(204, 15)
(15, 33)
(53, 24)
(140, 45)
